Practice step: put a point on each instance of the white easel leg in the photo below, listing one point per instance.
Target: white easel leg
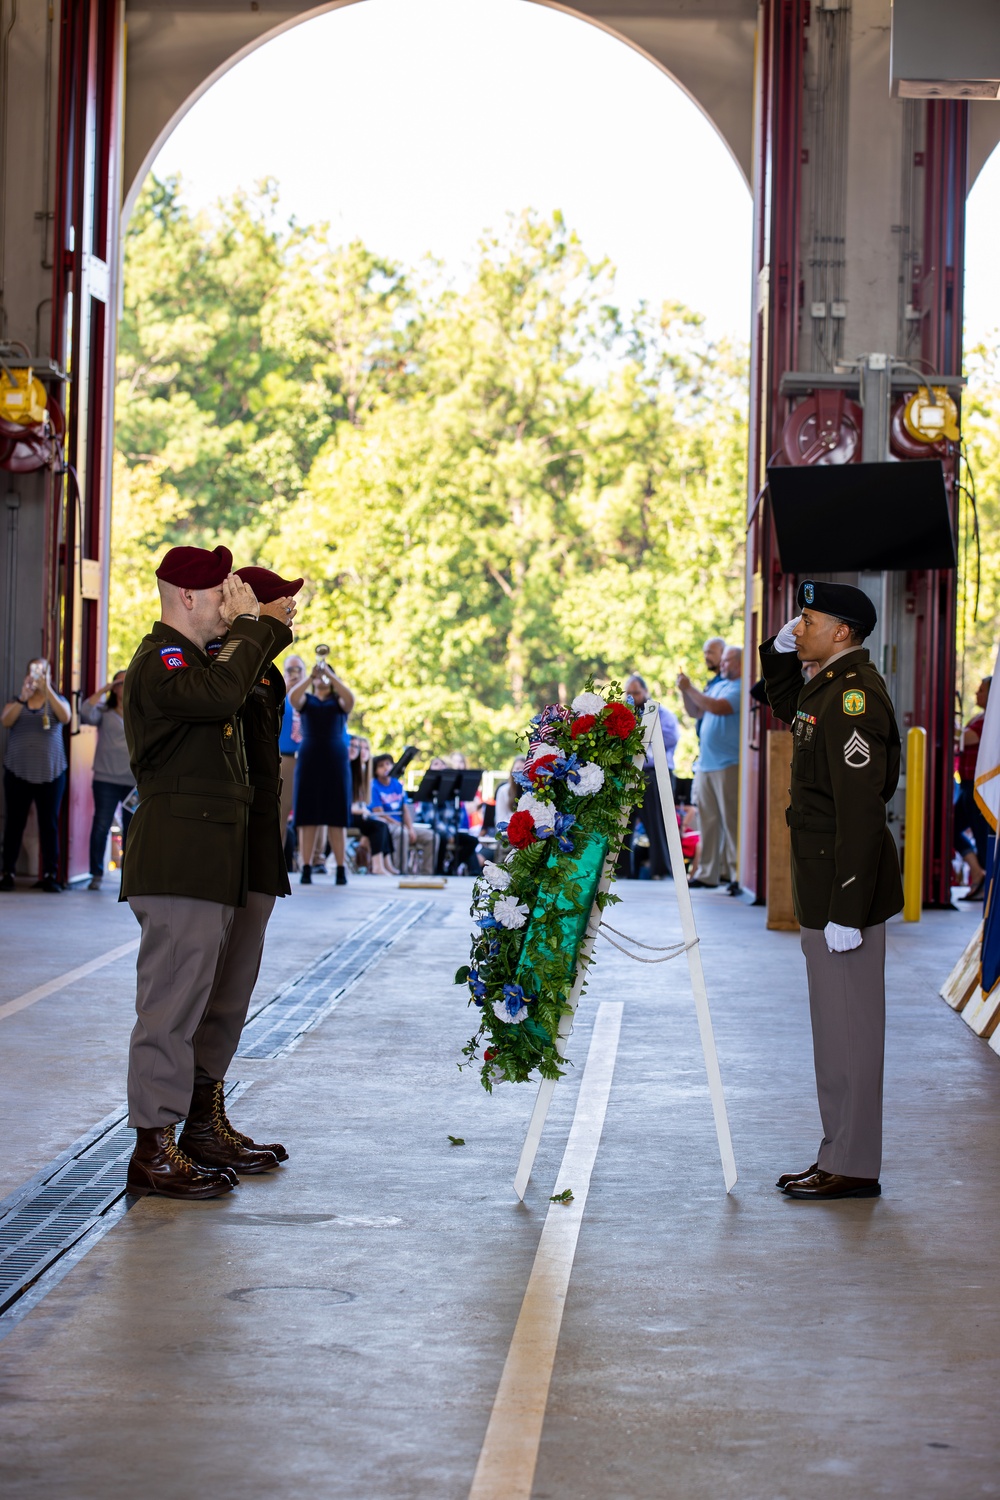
(690, 933)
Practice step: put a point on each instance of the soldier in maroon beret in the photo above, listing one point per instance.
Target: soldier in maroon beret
(185, 867)
(208, 1129)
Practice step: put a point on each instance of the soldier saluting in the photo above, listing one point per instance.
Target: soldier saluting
(208, 1132)
(185, 869)
(845, 873)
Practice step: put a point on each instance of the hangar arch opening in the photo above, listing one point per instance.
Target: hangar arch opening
(600, 524)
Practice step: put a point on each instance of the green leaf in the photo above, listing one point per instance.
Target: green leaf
(566, 1196)
(462, 974)
(457, 1140)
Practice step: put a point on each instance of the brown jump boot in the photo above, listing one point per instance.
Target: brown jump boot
(159, 1166)
(275, 1148)
(210, 1139)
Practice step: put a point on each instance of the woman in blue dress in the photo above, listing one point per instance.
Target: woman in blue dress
(322, 767)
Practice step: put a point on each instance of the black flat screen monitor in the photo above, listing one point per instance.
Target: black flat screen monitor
(844, 518)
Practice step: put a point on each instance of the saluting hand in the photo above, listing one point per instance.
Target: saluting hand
(238, 598)
(280, 609)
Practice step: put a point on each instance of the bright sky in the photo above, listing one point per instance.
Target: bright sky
(415, 124)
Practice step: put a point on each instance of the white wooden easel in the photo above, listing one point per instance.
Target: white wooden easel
(652, 740)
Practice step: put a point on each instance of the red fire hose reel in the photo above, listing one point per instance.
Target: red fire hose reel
(826, 428)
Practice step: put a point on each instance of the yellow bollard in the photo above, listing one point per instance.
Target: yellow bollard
(913, 849)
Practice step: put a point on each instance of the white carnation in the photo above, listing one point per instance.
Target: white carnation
(588, 703)
(495, 876)
(543, 813)
(591, 780)
(503, 1014)
(510, 912)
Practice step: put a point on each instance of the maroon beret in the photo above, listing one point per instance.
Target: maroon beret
(269, 586)
(195, 567)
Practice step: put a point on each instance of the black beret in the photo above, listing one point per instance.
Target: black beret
(840, 600)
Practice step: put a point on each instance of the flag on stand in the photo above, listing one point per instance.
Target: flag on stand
(988, 798)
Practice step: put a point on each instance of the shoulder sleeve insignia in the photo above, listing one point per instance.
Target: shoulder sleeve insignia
(213, 648)
(857, 752)
(172, 657)
(227, 649)
(854, 702)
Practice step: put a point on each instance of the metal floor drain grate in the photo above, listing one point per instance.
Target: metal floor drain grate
(63, 1204)
(311, 997)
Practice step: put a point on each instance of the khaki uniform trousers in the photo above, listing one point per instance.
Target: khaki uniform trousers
(197, 966)
(717, 796)
(847, 1007)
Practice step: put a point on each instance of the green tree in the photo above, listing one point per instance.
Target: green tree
(522, 518)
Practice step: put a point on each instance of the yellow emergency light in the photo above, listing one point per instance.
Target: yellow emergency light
(931, 415)
(22, 398)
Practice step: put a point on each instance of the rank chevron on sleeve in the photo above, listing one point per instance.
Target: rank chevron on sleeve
(857, 751)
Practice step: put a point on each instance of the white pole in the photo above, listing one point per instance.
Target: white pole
(690, 933)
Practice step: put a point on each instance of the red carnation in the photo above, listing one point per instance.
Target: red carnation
(489, 1054)
(533, 768)
(583, 725)
(521, 830)
(619, 720)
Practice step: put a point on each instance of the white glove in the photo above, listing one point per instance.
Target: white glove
(785, 641)
(841, 939)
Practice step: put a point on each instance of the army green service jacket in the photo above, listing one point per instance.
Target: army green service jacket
(845, 766)
(260, 718)
(189, 833)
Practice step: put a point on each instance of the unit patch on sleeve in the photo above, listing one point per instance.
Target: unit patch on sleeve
(857, 751)
(172, 657)
(854, 702)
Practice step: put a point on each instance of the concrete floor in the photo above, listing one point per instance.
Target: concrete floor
(338, 1330)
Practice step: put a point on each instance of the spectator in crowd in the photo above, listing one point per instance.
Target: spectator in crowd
(508, 793)
(113, 779)
(652, 812)
(34, 772)
(716, 783)
(375, 843)
(389, 803)
(322, 767)
(968, 815)
(293, 671)
(712, 652)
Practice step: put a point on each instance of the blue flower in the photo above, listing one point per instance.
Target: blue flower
(477, 987)
(486, 922)
(494, 948)
(523, 781)
(564, 822)
(566, 769)
(514, 997)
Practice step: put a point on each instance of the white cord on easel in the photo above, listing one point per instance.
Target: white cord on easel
(671, 948)
(681, 948)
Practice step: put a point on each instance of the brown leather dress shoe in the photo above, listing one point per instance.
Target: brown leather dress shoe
(822, 1186)
(787, 1177)
(159, 1166)
(210, 1140)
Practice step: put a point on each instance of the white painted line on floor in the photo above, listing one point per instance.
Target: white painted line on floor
(52, 986)
(506, 1468)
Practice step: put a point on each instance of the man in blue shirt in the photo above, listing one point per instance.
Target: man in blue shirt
(717, 773)
(391, 805)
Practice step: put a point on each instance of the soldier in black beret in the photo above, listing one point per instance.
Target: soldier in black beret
(185, 869)
(845, 873)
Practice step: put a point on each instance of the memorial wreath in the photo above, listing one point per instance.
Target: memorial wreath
(531, 909)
